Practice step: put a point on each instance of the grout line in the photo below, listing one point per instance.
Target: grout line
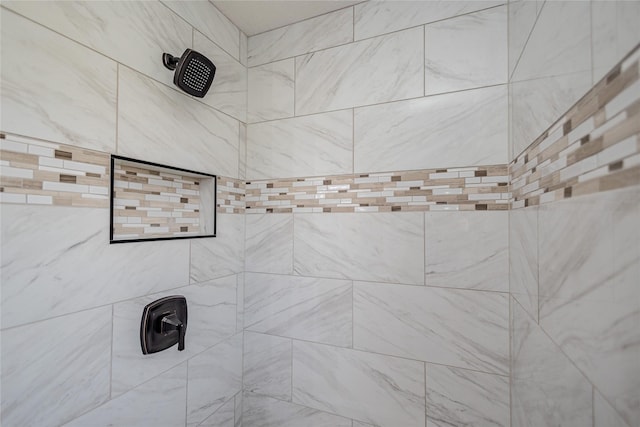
(117, 102)
(524, 46)
(353, 310)
(353, 140)
(291, 390)
(424, 60)
(111, 364)
(186, 394)
(593, 407)
(426, 412)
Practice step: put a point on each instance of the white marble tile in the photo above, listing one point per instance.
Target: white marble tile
(242, 152)
(467, 250)
(159, 402)
(331, 29)
(457, 129)
(244, 48)
(228, 92)
(238, 410)
(466, 52)
(546, 388)
(55, 370)
(212, 318)
(455, 327)
(560, 42)
(271, 91)
(267, 365)
(215, 376)
(522, 18)
(380, 17)
(458, 397)
(320, 144)
(204, 16)
(223, 417)
(269, 243)
(158, 124)
(523, 258)
(78, 269)
(307, 308)
(221, 255)
(74, 102)
(590, 263)
(360, 424)
(262, 411)
(604, 415)
(381, 247)
(382, 390)
(130, 32)
(239, 302)
(382, 69)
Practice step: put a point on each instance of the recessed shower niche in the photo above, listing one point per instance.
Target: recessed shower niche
(150, 201)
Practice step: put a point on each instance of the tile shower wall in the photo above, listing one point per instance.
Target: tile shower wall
(82, 80)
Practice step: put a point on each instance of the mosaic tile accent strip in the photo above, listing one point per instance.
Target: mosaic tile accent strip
(464, 189)
(595, 147)
(231, 195)
(44, 173)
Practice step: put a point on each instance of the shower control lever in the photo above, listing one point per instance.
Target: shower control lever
(164, 324)
(171, 323)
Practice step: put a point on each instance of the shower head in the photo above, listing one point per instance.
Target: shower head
(194, 72)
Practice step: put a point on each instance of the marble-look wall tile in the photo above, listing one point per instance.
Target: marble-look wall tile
(523, 258)
(271, 91)
(458, 397)
(55, 370)
(382, 69)
(239, 302)
(381, 247)
(130, 32)
(158, 402)
(238, 410)
(158, 124)
(604, 415)
(378, 17)
(228, 92)
(382, 390)
(262, 411)
(222, 255)
(522, 18)
(546, 388)
(320, 144)
(223, 417)
(458, 129)
(79, 269)
(455, 327)
(215, 376)
(590, 263)
(307, 308)
(267, 365)
(331, 29)
(244, 48)
(73, 102)
(467, 250)
(466, 52)
(242, 152)
(212, 318)
(269, 243)
(361, 424)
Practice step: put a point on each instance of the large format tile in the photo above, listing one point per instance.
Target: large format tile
(466, 52)
(382, 69)
(262, 411)
(458, 397)
(457, 129)
(78, 269)
(522, 18)
(523, 258)
(163, 399)
(455, 327)
(55, 370)
(73, 102)
(131, 32)
(313, 34)
(307, 308)
(604, 415)
(383, 390)
(319, 144)
(267, 365)
(589, 297)
(269, 243)
(378, 17)
(223, 417)
(271, 91)
(381, 247)
(467, 250)
(158, 124)
(221, 255)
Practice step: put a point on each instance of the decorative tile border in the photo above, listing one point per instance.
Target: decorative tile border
(231, 195)
(471, 188)
(594, 147)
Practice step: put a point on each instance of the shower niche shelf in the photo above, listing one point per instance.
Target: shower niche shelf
(150, 201)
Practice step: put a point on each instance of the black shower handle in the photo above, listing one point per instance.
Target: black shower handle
(171, 322)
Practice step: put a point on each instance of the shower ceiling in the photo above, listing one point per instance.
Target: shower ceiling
(257, 16)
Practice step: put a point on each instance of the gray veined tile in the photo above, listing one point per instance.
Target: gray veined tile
(267, 365)
(523, 258)
(271, 91)
(242, 153)
(223, 417)
(240, 302)
(456, 327)
(53, 371)
(382, 390)
(307, 308)
(238, 403)
(262, 411)
(381, 69)
(313, 34)
(244, 46)
(269, 243)
(456, 129)
(522, 17)
(74, 102)
(604, 415)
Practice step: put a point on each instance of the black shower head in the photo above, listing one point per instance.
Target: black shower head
(194, 72)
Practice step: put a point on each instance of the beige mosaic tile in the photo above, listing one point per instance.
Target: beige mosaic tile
(230, 195)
